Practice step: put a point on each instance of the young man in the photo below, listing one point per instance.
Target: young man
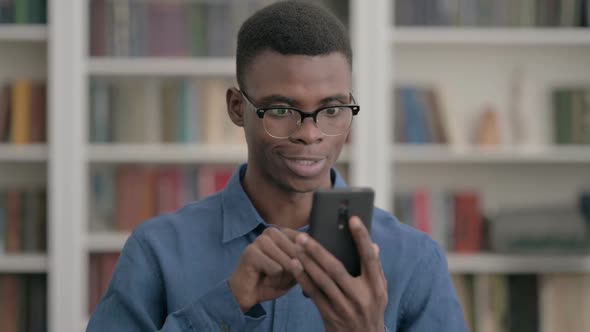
(240, 260)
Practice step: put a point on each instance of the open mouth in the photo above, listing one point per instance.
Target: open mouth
(305, 167)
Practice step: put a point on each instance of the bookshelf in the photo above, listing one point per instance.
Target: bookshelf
(24, 153)
(162, 66)
(23, 32)
(24, 158)
(496, 36)
(517, 264)
(433, 153)
(24, 263)
(472, 63)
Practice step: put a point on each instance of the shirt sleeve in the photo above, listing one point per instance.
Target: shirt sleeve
(135, 301)
(430, 302)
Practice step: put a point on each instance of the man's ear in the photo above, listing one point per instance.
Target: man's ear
(235, 110)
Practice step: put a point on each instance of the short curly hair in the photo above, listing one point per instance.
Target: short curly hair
(290, 27)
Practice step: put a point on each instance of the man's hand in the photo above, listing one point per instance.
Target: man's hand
(263, 272)
(345, 303)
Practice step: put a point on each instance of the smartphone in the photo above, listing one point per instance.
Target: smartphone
(330, 213)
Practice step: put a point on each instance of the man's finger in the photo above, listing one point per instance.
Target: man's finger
(264, 263)
(275, 245)
(370, 263)
(309, 288)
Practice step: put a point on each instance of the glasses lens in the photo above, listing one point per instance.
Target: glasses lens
(334, 120)
(281, 122)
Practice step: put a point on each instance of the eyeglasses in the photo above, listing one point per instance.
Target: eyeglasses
(284, 121)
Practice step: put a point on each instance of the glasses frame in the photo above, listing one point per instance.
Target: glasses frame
(260, 111)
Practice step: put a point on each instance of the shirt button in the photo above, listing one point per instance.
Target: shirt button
(224, 327)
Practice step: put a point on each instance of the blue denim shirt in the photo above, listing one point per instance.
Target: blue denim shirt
(173, 275)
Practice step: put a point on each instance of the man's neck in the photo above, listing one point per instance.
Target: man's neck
(276, 205)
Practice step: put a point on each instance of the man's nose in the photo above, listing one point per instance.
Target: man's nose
(307, 133)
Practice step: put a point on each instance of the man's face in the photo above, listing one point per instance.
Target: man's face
(301, 162)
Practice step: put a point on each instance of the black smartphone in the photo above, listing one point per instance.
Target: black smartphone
(331, 210)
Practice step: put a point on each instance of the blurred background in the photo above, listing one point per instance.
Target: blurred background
(475, 129)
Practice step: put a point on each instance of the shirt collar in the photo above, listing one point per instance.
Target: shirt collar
(238, 213)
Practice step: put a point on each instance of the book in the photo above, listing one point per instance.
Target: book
(9, 302)
(38, 121)
(3, 222)
(5, 104)
(21, 112)
(14, 231)
(468, 223)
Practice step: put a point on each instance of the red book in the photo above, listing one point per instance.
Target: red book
(126, 178)
(14, 220)
(468, 222)
(213, 179)
(98, 28)
(145, 198)
(167, 23)
(421, 211)
(9, 303)
(94, 284)
(39, 112)
(169, 190)
(108, 263)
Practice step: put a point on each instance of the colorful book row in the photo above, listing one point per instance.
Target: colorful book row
(23, 112)
(23, 303)
(454, 219)
(497, 13)
(524, 303)
(173, 28)
(23, 11)
(571, 115)
(161, 111)
(23, 226)
(125, 196)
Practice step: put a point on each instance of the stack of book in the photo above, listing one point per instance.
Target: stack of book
(23, 112)
(23, 303)
(23, 11)
(543, 13)
(161, 111)
(124, 197)
(23, 221)
(454, 219)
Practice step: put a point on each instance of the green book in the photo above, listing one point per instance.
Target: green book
(198, 29)
(562, 116)
(21, 11)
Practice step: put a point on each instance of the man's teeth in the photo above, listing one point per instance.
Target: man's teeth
(305, 162)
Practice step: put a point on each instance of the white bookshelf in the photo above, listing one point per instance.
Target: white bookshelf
(161, 66)
(23, 33)
(23, 263)
(98, 242)
(432, 153)
(552, 37)
(517, 264)
(23, 153)
(173, 153)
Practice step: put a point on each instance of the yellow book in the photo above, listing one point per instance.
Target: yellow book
(21, 112)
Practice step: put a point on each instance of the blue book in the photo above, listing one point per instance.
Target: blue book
(415, 115)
